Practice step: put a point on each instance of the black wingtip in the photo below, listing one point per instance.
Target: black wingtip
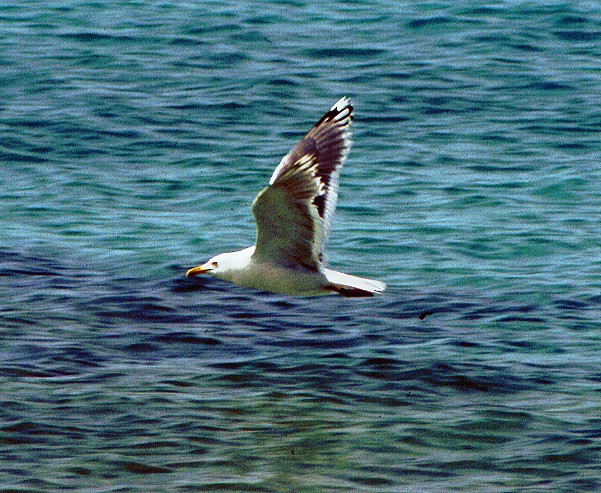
(341, 110)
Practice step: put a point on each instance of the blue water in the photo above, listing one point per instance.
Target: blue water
(133, 138)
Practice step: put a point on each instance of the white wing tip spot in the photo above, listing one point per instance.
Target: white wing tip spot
(342, 103)
(343, 109)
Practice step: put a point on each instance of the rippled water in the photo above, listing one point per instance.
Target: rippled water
(134, 136)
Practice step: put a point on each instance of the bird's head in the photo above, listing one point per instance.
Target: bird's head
(223, 265)
(213, 267)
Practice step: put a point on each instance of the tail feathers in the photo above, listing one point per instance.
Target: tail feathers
(352, 286)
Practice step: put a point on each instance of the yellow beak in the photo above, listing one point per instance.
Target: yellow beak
(197, 271)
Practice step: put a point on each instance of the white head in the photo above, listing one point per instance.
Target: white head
(224, 265)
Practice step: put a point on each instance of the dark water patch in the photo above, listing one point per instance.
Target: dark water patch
(381, 362)
(546, 85)
(186, 286)
(134, 309)
(284, 82)
(457, 437)
(244, 379)
(466, 344)
(526, 47)
(350, 53)
(571, 305)
(190, 106)
(372, 481)
(499, 311)
(79, 471)
(32, 486)
(29, 371)
(17, 322)
(248, 314)
(385, 401)
(141, 468)
(185, 338)
(571, 20)
(22, 157)
(481, 10)
(228, 486)
(158, 308)
(30, 432)
(470, 378)
(208, 284)
(283, 304)
(575, 146)
(466, 465)
(522, 319)
(102, 377)
(593, 429)
(508, 420)
(185, 41)
(577, 35)
(523, 346)
(95, 37)
(425, 22)
(584, 484)
(110, 314)
(498, 137)
(576, 456)
(34, 270)
(178, 383)
(14, 264)
(79, 357)
(125, 134)
(228, 60)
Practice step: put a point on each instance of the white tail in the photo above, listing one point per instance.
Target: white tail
(352, 286)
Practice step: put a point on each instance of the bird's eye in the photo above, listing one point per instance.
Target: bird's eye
(214, 264)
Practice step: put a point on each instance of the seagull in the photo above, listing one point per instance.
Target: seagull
(293, 215)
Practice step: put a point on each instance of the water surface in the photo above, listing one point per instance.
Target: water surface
(133, 139)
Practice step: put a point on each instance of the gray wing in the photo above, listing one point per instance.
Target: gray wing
(294, 212)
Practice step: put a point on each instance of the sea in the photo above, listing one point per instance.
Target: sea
(134, 136)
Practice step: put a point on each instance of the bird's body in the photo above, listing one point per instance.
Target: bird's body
(245, 270)
(293, 215)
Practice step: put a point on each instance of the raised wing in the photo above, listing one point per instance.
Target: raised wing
(294, 212)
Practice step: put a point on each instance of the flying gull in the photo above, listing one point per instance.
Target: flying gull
(293, 216)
